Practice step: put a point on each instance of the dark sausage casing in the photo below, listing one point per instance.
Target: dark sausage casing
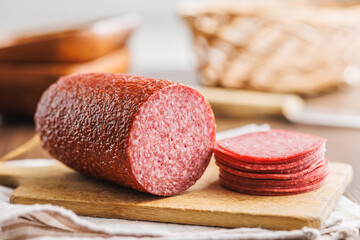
(152, 135)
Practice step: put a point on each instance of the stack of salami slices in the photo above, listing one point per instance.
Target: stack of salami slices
(274, 162)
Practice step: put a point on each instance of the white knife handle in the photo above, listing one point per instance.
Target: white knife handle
(240, 103)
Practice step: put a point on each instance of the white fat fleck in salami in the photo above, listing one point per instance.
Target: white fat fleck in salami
(171, 140)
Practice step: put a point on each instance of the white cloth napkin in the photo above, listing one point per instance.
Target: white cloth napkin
(52, 222)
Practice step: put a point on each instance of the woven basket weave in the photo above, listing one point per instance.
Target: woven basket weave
(274, 47)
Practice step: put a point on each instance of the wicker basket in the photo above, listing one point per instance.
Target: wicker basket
(268, 46)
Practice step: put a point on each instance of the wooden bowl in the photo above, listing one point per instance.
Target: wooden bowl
(21, 84)
(75, 44)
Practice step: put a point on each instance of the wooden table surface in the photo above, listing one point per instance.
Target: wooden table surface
(343, 144)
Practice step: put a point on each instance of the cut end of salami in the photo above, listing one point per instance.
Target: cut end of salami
(152, 135)
(276, 162)
(171, 140)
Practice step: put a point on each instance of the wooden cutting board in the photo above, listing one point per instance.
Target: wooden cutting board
(206, 203)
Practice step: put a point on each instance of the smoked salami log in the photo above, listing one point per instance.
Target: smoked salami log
(151, 135)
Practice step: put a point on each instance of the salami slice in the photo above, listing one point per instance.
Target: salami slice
(267, 175)
(152, 135)
(289, 167)
(274, 146)
(302, 181)
(272, 191)
(222, 152)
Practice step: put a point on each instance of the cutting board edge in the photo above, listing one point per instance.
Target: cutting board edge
(347, 178)
(203, 218)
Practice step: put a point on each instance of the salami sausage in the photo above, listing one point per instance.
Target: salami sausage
(151, 135)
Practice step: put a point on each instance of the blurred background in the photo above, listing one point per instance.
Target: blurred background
(161, 39)
(292, 63)
(34, 50)
(232, 44)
